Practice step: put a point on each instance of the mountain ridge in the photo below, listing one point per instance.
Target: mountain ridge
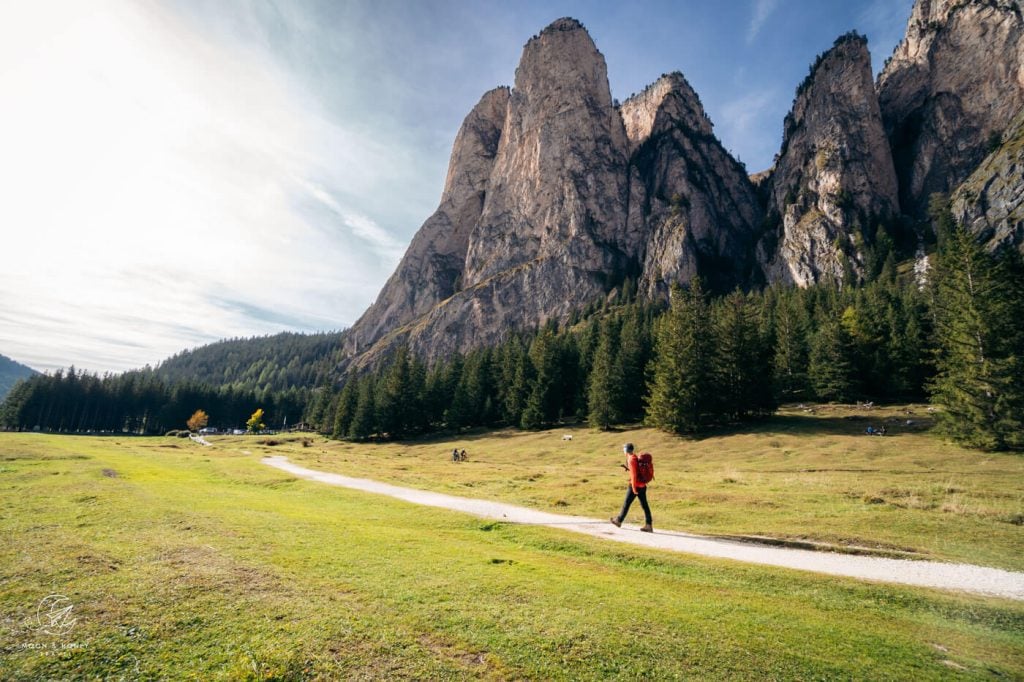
(11, 372)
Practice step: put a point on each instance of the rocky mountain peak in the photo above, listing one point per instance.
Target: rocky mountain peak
(558, 184)
(560, 59)
(670, 100)
(953, 83)
(691, 203)
(834, 177)
(561, 25)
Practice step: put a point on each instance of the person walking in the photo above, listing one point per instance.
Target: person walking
(637, 488)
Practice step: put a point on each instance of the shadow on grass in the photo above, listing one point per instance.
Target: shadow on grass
(811, 425)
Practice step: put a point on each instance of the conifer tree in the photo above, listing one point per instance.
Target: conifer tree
(522, 373)
(471, 392)
(364, 420)
(198, 420)
(980, 343)
(604, 396)
(586, 346)
(789, 366)
(544, 401)
(396, 399)
(346, 408)
(829, 368)
(739, 369)
(681, 387)
(631, 362)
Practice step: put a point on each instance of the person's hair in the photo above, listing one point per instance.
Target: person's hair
(628, 447)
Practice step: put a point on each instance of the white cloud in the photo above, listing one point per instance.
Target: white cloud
(751, 122)
(762, 9)
(149, 176)
(361, 226)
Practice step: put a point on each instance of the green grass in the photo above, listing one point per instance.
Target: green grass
(185, 562)
(800, 476)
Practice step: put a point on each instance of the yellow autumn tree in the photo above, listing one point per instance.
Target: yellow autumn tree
(197, 421)
(255, 422)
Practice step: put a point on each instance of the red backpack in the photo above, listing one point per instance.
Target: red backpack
(644, 468)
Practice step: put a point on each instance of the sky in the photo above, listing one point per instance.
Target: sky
(173, 173)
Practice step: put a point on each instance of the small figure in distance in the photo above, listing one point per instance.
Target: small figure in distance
(455, 455)
(462, 456)
(637, 488)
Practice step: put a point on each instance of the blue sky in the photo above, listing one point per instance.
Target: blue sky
(179, 172)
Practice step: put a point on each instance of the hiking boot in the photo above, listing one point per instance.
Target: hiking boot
(647, 528)
(616, 522)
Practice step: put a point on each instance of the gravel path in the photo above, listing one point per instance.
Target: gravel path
(964, 577)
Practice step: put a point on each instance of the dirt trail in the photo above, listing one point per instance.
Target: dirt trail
(963, 577)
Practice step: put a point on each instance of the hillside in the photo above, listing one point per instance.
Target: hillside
(10, 373)
(277, 362)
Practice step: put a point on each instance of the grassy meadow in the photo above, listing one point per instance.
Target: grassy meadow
(184, 562)
(801, 476)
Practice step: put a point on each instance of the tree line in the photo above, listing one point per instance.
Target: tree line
(697, 363)
(139, 402)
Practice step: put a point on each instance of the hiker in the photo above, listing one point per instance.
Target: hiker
(640, 472)
(462, 456)
(455, 455)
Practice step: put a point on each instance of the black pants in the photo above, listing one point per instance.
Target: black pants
(642, 494)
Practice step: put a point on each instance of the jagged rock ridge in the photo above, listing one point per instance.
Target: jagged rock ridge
(691, 203)
(561, 194)
(953, 83)
(833, 181)
(555, 194)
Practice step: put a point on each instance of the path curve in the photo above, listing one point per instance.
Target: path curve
(964, 577)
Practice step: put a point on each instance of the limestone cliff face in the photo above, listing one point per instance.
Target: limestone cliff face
(535, 232)
(991, 201)
(692, 200)
(558, 188)
(431, 269)
(955, 81)
(834, 178)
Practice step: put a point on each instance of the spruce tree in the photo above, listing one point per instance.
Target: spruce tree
(790, 357)
(346, 408)
(605, 391)
(681, 387)
(520, 389)
(980, 343)
(738, 368)
(395, 396)
(364, 420)
(631, 362)
(830, 368)
(544, 401)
